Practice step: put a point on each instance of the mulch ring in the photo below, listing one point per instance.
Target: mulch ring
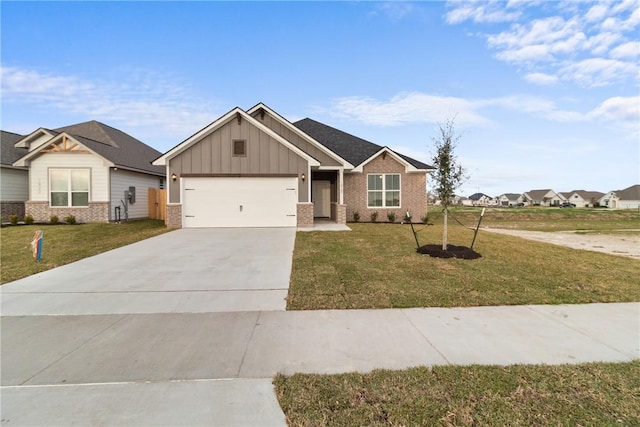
(452, 251)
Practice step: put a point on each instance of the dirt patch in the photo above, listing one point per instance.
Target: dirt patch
(627, 245)
(452, 251)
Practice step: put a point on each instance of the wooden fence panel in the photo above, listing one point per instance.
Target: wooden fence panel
(157, 204)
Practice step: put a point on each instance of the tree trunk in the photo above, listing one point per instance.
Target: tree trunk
(444, 233)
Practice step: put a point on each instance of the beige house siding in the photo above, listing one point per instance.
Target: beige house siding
(213, 155)
(121, 180)
(413, 195)
(39, 174)
(282, 130)
(14, 185)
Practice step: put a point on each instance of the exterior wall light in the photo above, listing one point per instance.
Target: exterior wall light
(174, 177)
(303, 177)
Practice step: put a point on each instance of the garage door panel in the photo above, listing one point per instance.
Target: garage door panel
(239, 202)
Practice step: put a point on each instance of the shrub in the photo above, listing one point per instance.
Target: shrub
(391, 216)
(374, 216)
(70, 219)
(28, 219)
(13, 219)
(54, 219)
(356, 216)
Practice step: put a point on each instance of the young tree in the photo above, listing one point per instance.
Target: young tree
(449, 175)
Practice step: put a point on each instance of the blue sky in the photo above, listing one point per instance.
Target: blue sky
(545, 94)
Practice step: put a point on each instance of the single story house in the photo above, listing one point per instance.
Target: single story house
(584, 199)
(629, 198)
(89, 170)
(510, 199)
(480, 199)
(254, 168)
(546, 197)
(14, 180)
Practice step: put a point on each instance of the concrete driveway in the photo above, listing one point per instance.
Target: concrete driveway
(184, 271)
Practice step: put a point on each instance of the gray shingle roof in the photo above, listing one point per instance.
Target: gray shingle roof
(8, 152)
(351, 148)
(538, 194)
(116, 146)
(629, 193)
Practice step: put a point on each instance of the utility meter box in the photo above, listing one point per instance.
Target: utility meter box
(132, 195)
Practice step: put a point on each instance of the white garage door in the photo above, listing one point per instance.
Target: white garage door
(239, 202)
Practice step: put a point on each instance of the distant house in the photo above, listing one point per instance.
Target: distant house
(14, 180)
(629, 198)
(583, 199)
(545, 197)
(480, 199)
(509, 199)
(88, 170)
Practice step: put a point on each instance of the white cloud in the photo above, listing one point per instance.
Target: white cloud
(411, 108)
(405, 108)
(626, 50)
(571, 41)
(594, 72)
(480, 11)
(596, 13)
(395, 10)
(144, 100)
(618, 108)
(541, 79)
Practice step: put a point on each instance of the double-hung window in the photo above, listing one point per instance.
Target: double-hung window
(383, 190)
(69, 187)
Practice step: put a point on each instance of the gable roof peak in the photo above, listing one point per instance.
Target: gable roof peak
(95, 131)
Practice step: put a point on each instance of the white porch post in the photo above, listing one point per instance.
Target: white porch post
(341, 173)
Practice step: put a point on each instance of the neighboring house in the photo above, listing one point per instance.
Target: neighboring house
(582, 198)
(256, 169)
(629, 198)
(88, 170)
(14, 181)
(546, 197)
(480, 199)
(510, 199)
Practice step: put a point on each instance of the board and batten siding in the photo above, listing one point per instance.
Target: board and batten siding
(14, 185)
(39, 180)
(213, 155)
(121, 180)
(277, 126)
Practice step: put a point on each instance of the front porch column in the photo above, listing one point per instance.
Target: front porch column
(304, 215)
(341, 187)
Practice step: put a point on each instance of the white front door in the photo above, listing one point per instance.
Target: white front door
(321, 198)
(239, 202)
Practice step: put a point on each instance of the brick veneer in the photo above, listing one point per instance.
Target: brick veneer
(11, 208)
(305, 214)
(174, 215)
(339, 213)
(42, 212)
(413, 191)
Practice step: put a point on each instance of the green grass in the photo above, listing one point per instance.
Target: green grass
(597, 394)
(376, 266)
(63, 244)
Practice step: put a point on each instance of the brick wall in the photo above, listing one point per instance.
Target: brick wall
(413, 193)
(339, 213)
(11, 208)
(174, 215)
(305, 214)
(42, 212)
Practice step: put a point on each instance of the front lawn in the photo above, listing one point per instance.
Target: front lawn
(569, 395)
(376, 266)
(63, 244)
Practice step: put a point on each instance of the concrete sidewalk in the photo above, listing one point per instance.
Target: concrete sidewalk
(40, 353)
